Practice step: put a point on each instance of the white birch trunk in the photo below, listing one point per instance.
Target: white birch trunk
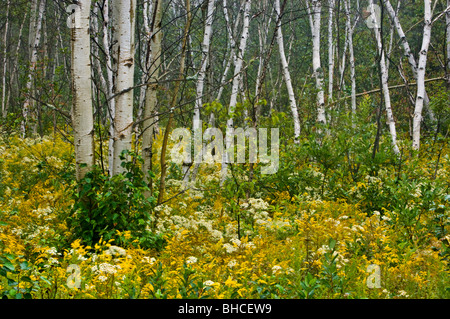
(406, 48)
(82, 114)
(286, 73)
(421, 74)
(350, 29)
(124, 25)
(33, 61)
(385, 86)
(204, 63)
(151, 93)
(331, 49)
(110, 70)
(314, 12)
(239, 59)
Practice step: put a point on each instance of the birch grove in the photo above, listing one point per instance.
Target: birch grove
(246, 64)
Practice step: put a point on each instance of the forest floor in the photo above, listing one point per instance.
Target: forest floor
(269, 245)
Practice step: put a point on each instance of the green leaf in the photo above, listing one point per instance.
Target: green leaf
(7, 264)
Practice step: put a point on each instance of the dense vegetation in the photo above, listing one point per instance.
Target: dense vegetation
(344, 216)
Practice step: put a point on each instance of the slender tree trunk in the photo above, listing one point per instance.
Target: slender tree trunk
(201, 81)
(232, 46)
(314, 12)
(421, 74)
(239, 59)
(447, 20)
(385, 85)
(331, 49)
(406, 48)
(286, 73)
(350, 29)
(5, 51)
(15, 66)
(204, 63)
(110, 48)
(82, 115)
(124, 25)
(33, 61)
(163, 163)
(151, 99)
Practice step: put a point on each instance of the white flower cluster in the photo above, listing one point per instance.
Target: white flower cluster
(191, 260)
(43, 213)
(237, 244)
(278, 270)
(148, 260)
(116, 251)
(105, 268)
(194, 223)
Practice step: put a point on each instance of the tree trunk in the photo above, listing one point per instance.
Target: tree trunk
(33, 61)
(447, 20)
(82, 115)
(238, 62)
(124, 25)
(315, 21)
(151, 99)
(384, 83)
(5, 51)
(421, 74)
(331, 50)
(163, 163)
(286, 73)
(350, 29)
(406, 49)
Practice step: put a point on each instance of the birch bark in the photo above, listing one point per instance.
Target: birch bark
(421, 74)
(151, 98)
(384, 83)
(314, 11)
(239, 58)
(33, 61)
(82, 114)
(286, 73)
(123, 118)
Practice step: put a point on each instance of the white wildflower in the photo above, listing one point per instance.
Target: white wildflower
(191, 260)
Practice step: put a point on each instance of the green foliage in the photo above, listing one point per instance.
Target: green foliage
(107, 207)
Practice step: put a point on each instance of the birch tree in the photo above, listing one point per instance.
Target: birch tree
(421, 74)
(405, 45)
(5, 38)
(82, 114)
(384, 81)
(36, 31)
(350, 29)
(204, 63)
(314, 9)
(154, 62)
(286, 73)
(238, 63)
(124, 25)
(331, 48)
